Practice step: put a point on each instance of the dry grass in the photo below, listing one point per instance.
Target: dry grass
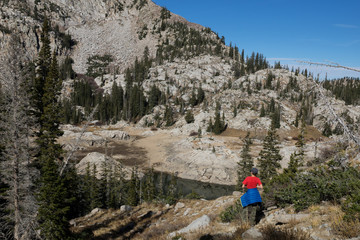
(271, 232)
(348, 229)
(316, 221)
(240, 230)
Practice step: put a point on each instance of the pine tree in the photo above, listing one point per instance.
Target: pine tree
(133, 195)
(246, 162)
(42, 70)
(269, 157)
(219, 125)
(297, 157)
(275, 118)
(189, 117)
(53, 197)
(200, 95)
(149, 186)
(327, 132)
(172, 195)
(193, 100)
(262, 111)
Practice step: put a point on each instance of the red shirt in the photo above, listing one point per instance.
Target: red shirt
(251, 182)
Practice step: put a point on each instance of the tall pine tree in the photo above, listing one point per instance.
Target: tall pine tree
(269, 157)
(246, 162)
(54, 199)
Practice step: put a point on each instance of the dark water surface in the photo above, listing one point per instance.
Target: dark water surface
(208, 191)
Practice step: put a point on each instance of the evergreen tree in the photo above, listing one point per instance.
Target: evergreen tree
(262, 111)
(193, 100)
(149, 186)
(297, 158)
(219, 125)
(189, 117)
(269, 157)
(42, 69)
(210, 126)
(275, 118)
(117, 95)
(246, 162)
(200, 95)
(54, 198)
(133, 195)
(172, 194)
(169, 116)
(327, 132)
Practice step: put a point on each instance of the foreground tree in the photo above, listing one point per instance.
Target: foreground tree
(269, 157)
(54, 199)
(15, 123)
(246, 162)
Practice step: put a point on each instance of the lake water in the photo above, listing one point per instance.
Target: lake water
(208, 191)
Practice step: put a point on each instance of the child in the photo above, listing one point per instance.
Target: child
(251, 199)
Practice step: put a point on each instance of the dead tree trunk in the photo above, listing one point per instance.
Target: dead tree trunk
(15, 125)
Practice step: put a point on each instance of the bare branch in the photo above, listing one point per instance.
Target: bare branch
(76, 145)
(347, 132)
(333, 65)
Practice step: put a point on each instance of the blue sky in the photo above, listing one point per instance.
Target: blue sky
(290, 30)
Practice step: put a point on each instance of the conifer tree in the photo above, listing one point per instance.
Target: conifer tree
(219, 125)
(189, 117)
(200, 95)
(172, 190)
(262, 111)
(327, 132)
(193, 100)
(246, 162)
(297, 157)
(269, 157)
(53, 197)
(42, 69)
(133, 195)
(149, 188)
(275, 118)
(169, 116)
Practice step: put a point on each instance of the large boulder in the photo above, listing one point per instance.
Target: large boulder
(113, 134)
(197, 224)
(252, 234)
(97, 159)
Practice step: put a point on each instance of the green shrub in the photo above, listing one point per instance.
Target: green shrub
(234, 212)
(326, 183)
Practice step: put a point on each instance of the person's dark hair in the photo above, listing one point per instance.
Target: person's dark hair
(254, 171)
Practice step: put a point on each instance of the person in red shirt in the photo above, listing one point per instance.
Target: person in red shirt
(251, 199)
(252, 181)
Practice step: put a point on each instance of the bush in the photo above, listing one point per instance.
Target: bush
(234, 212)
(189, 117)
(326, 183)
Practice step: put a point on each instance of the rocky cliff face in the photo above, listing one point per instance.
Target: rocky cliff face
(120, 28)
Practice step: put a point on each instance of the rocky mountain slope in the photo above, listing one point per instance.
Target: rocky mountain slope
(201, 219)
(121, 28)
(247, 101)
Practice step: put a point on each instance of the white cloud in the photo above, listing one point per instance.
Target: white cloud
(345, 26)
(322, 71)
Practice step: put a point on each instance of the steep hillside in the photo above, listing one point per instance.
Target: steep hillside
(120, 28)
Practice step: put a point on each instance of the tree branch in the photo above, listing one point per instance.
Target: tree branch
(76, 145)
